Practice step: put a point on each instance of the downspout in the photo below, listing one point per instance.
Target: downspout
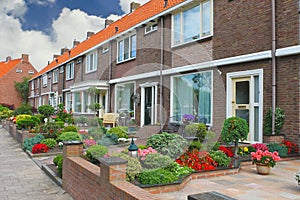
(273, 65)
(160, 73)
(108, 102)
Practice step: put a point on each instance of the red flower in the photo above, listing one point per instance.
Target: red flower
(40, 148)
(292, 147)
(226, 150)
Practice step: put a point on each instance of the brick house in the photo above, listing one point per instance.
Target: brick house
(213, 59)
(14, 70)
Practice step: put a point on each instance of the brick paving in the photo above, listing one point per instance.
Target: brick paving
(21, 178)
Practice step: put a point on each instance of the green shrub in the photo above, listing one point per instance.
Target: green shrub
(220, 157)
(158, 176)
(50, 142)
(133, 167)
(68, 136)
(51, 130)
(30, 142)
(58, 161)
(235, 129)
(178, 170)
(70, 128)
(96, 132)
(23, 109)
(197, 130)
(60, 124)
(108, 139)
(171, 145)
(95, 152)
(279, 121)
(41, 117)
(156, 160)
(27, 121)
(195, 145)
(46, 110)
(57, 158)
(282, 150)
(5, 113)
(81, 120)
(120, 131)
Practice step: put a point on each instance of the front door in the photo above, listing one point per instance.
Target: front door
(241, 98)
(148, 103)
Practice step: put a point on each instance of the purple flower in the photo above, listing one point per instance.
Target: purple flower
(188, 117)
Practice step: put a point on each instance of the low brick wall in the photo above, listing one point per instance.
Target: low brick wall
(273, 138)
(18, 135)
(86, 181)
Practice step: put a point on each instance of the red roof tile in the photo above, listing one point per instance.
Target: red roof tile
(6, 67)
(146, 11)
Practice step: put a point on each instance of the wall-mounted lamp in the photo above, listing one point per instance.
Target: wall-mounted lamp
(137, 98)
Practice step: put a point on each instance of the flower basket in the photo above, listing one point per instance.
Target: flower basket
(263, 169)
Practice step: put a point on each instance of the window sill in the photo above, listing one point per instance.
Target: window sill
(90, 72)
(124, 61)
(203, 39)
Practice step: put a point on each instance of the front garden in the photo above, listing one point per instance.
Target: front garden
(165, 158)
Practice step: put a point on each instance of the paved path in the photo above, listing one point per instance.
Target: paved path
(21, 178)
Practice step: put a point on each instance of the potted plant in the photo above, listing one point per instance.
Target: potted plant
(235, 129)
(264, 160)
(279, 121)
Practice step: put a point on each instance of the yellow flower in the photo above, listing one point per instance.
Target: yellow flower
(245, 149)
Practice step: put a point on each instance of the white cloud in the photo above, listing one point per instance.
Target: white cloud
(70, 25)
(42, 2)
(125, 4)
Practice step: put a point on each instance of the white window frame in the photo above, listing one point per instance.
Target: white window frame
(55, 76)
(150, 28)
(45, 80)
(121, 58)
(38, 82)
(201, 35)
(172, 114)
(91, 62)
(105, 48)
(70, 71)
(32, 85)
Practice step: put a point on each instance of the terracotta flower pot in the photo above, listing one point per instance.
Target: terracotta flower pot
(263, 169)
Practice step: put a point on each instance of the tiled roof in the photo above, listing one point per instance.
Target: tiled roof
(144, 12)
(5, 67)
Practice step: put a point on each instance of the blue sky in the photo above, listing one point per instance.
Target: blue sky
(41, 28)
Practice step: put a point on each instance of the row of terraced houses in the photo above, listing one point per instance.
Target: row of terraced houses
(209, 58)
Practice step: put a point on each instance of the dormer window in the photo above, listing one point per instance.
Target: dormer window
(150, 28)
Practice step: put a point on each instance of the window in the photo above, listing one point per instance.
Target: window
(91, 62)
(124, 97)
(127, 48)
(55, 76)
(19, 71)
(32, 85)
(150, 28)
(61, 69)
(192, 95)
(192, 24)
(38, 83)
(44, 80)
(68, 102)
(30, 72)
(105, 48)
(77, 102)
(70, 71)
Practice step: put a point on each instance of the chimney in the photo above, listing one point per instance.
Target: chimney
(89, 34)
(108, 22)
(63, 50)
(8, 58)
(134, 6)
(55, 56)
(25, 57)
(75, 43)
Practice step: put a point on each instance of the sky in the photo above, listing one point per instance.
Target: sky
(41, 28)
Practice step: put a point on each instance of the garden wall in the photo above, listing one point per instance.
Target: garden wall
(84, 180)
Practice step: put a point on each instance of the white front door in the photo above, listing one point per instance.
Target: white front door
(244, 99)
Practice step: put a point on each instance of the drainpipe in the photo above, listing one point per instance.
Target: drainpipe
(273, 65)
(160, 73)
(108, 102)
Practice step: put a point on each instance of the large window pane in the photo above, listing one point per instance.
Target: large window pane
(86, 102)
(191, 24)
(206, 18)
(126, 48)
(192, 95)
(133, 46)
(77, 102)
(121, 50)
(177, 29)
(125, 101)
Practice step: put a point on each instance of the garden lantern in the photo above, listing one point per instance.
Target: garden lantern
(133, 149)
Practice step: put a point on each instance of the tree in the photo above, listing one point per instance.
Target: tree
(23, 89)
